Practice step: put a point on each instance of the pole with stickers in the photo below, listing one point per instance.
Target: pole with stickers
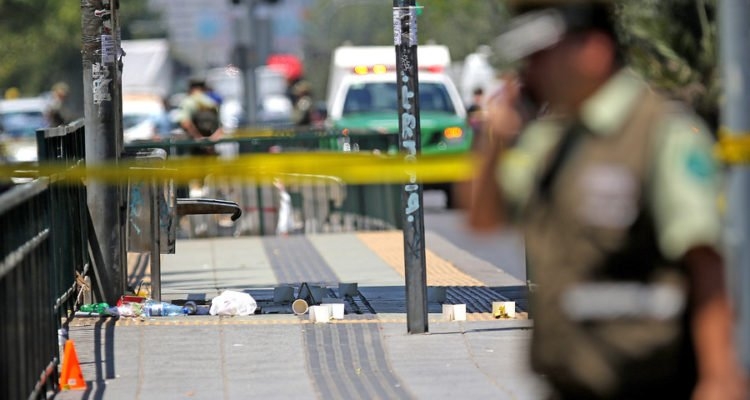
(405, 40)
(103, 140)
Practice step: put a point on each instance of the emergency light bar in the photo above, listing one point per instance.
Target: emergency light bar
(382, 69)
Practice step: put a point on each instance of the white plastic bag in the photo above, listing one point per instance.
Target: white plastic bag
(233, 303)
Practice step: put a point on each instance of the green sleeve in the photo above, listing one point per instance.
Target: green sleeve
(519, 166)
(684, 187)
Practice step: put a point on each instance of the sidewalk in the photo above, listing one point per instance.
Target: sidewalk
(365, 356)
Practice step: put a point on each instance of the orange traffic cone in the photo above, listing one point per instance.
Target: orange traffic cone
(71, 377)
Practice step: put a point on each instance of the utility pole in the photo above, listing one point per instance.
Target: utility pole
(735, 62)
(407, 83)
(243, 36)
(252, 48)
(104, 143)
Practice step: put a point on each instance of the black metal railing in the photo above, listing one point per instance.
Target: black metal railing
(44, 254)
(320, 203)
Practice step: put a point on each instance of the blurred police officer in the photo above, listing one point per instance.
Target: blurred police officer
(616, 190)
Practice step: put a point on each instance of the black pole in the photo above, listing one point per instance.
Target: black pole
(407, 83)
(103, 113)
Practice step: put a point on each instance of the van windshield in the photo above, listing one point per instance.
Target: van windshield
(382, 97)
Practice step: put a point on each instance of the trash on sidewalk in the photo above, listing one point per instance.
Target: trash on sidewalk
(125, 299)
(97, 310)
(136, 306)
(454, 312)
(153, 308)
(320, 314)
(233, 303)
(94, 308)
(300, 307)
(504, 309)
(192, 308)
(130, 309)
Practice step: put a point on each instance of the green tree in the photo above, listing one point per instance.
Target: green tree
(139, 21)
(42, 42)
(674, 45)
(462, 25)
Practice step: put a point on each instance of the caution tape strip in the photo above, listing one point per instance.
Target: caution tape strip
(352, 168)
(733, 148)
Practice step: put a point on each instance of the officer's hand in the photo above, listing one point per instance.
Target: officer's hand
(503, 119)
(217, 135)
(729, 387)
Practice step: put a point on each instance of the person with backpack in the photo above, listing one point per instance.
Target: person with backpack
(199, 116)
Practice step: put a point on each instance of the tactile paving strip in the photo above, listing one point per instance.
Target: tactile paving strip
(347, 361)
(390, 247)
(295, 260)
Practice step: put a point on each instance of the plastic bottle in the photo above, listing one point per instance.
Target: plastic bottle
(152, 308)
(99, 308)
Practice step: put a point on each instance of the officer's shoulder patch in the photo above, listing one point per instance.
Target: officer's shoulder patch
(699, 164)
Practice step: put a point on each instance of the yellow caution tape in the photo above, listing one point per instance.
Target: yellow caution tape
(733, 148)
(353, 168)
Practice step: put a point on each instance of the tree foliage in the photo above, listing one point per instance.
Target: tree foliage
(674, 45)
(41, 42)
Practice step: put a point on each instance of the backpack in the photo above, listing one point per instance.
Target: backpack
(206, 119)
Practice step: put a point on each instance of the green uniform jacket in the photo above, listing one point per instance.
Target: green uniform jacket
(608, 213)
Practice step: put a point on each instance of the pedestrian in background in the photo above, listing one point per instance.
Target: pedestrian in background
(199, 113)
(475, 111)
(302, 102)
(56, 113)
(285, 222)
(615, 188)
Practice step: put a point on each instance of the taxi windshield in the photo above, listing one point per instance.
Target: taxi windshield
(381, 97)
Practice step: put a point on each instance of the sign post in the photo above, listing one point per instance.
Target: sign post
(735, 60)
(407, 84)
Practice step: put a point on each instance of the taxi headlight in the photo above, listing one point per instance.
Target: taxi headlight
(453, 132)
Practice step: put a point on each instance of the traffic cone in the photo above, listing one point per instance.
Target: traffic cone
(71, 377)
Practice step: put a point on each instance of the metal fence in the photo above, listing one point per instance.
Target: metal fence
(43, 254)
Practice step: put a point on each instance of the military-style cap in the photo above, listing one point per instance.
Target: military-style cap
(539, 24)
(197, 81)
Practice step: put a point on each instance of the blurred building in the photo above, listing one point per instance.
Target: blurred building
(202, 33)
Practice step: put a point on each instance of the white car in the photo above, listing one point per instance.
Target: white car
(143, 117)
(19, 121)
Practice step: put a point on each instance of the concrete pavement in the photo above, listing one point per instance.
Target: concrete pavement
(366, 355)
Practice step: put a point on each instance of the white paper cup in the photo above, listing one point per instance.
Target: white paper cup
(320, 314)
(337, 310)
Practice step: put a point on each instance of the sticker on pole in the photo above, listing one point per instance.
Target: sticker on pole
(405, 25)
(108, 49)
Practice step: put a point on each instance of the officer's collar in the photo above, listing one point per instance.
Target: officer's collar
(608, 109)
